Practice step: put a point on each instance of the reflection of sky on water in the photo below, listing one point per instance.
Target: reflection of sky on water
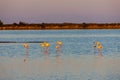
(60, 67)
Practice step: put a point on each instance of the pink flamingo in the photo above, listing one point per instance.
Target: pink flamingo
(26, 46)
(45, 46)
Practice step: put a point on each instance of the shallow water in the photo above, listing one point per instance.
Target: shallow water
(60, 68)
(76, 61)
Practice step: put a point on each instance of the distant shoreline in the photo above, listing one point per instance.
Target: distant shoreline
(63, 26)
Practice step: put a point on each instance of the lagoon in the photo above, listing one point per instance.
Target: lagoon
(76, 61)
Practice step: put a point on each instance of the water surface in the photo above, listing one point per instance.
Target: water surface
(76, 61)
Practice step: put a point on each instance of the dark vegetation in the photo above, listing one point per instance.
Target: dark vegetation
(44, 26)
(1, 23)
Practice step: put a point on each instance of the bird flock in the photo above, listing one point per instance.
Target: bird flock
(45, 48)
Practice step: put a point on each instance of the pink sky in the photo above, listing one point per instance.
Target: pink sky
(58, 11)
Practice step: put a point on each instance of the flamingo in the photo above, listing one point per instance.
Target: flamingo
(59, 43)
(99, 50)
(58, 46)
(45, 46)
(98, 46)
(26, 46)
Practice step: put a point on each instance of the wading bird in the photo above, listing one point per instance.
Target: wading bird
(58, 46)
(26, 46)
(58, 50)
(45, 47)
(97, 46)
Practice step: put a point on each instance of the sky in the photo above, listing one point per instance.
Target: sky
(60, 11)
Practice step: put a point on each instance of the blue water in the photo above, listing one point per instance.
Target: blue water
(76, 60)
(77, 42)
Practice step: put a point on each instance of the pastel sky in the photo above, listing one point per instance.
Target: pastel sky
(59, 11)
